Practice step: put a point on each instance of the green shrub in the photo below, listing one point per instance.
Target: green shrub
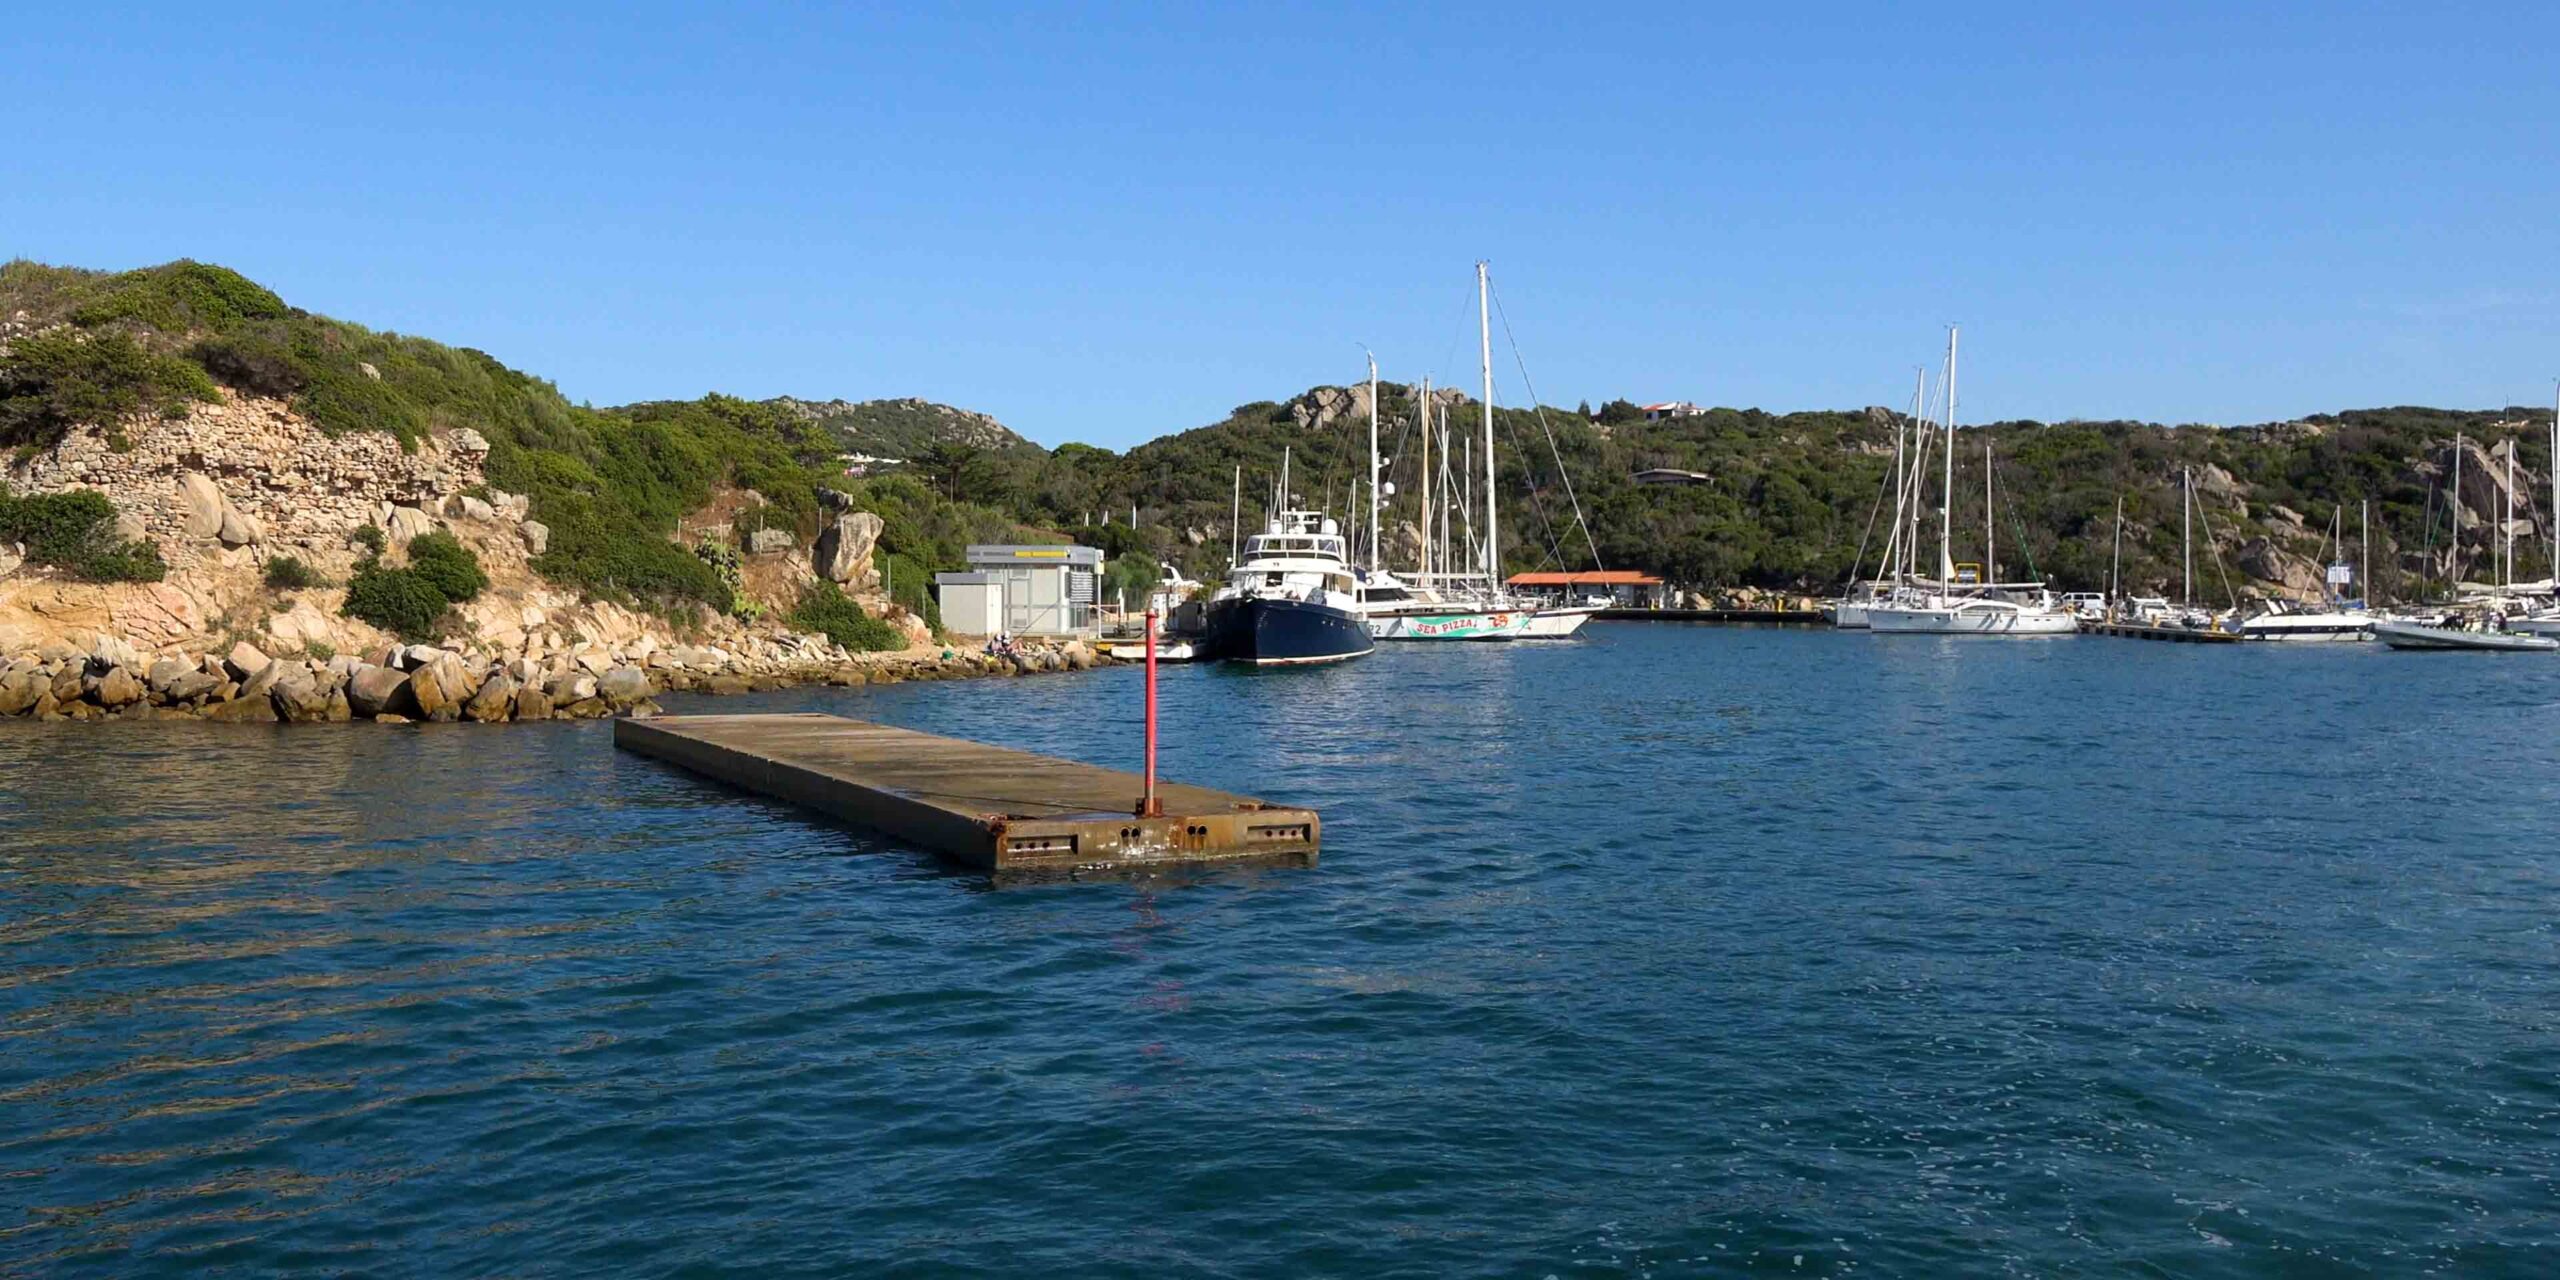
(76, 531)
(401, 601)
(289, 573)
(599, 545)
(57, 527)
(54, 381)
(258, 363)
(341, 400)
(725, 562)
(370, 538)
(446, 564)
(825, 609)
(179, 296)
(135, 561)
(910, 584)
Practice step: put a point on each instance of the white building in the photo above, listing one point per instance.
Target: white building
(1027, 591)
(972, 603)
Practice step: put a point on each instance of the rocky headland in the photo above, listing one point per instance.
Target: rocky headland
(232, 485)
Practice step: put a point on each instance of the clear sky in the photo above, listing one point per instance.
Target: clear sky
(1106, 225)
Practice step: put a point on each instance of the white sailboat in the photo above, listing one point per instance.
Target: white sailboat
(1397, 609)
(1986, 607)
(2546, 621)
(1849, 612)
(1544, 621)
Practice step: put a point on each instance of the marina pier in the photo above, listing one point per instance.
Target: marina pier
(986, 807)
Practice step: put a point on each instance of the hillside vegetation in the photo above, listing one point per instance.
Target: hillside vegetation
(96, 348)
(1791, 497)
(902, 429)
(1789, 501)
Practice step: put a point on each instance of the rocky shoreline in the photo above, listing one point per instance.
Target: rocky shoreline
(403, 684)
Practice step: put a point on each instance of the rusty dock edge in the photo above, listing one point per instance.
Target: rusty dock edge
(988, 807)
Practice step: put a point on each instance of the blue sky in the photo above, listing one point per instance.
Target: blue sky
(1108, 224)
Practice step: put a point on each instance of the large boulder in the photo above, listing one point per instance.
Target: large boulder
(537, 537)
(114, 687)
(200, 505)
(475, 509)
(495, 701)
(769, 542)
(843, 553)
(532, 703)
(440, 688)
(20, 687)
(2294, 575)
(263, 683)
(621, 687)
(374, 690)
(115, 651)
(242, 711)
(406, 523)
(245, 661)
(167, 672)
(239, 529)
(191, 687)
(299, 696)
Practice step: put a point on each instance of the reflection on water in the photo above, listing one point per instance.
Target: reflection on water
(1674, 951)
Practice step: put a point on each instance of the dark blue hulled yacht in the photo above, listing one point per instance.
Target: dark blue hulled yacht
(1290, 600)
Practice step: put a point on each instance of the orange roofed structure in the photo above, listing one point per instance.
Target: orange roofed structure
(1630, 589)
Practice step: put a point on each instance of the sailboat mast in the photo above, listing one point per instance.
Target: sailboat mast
(1892, 565)
(1374, 560)
(1990, 552)
(1484, 343)
(2115, 569)
(2511, 514)
(1467, 491)
(2364, 543)
(2453, 569)
(1235, 520)
(1919, 473)
(1947, 483)
(1422, 568)
(2187, 536)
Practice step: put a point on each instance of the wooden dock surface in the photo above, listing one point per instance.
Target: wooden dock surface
(988, 807)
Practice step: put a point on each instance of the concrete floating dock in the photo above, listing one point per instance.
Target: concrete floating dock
(988, 807)
(2174, 635)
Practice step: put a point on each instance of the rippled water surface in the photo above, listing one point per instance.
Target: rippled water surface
(1671, 952)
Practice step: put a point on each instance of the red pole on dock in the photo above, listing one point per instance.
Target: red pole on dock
(1148, 805)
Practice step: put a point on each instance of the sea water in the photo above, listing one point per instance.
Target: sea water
(1667, 951)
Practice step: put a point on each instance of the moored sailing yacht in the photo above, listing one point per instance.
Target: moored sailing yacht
(1849, 612)
(1396, 609)
(1947, 607)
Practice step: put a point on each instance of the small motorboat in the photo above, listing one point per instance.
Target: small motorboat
(2456, 633)
(1168, 649)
